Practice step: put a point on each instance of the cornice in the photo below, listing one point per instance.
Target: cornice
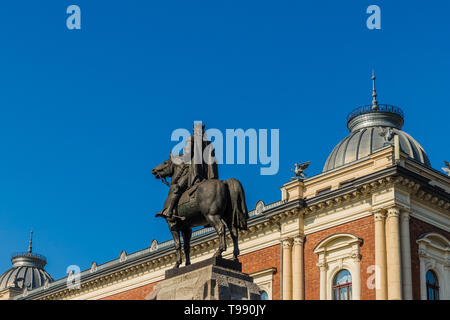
(361, 188)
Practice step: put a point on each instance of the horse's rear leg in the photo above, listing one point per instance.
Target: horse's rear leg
(176, 240)
(234, 236)
(187, 233)
(219, 225)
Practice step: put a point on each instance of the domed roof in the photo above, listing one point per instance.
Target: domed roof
(363, 142)
(27, 271)
(372, 128)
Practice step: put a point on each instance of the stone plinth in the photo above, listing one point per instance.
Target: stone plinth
(211, 279)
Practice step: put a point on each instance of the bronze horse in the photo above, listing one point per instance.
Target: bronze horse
(216, 203)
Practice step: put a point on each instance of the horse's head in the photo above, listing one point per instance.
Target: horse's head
(164, 170)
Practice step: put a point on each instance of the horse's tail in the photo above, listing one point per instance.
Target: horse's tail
(239, 212)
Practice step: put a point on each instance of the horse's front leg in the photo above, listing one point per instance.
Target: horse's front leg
(176, 240)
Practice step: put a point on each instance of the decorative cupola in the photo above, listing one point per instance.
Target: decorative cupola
(27, 271)
(372, 127)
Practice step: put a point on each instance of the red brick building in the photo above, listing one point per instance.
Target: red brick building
(375, 224)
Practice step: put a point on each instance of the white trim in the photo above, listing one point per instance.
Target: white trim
(121, 286)
(322, 221)
(264, 280)
(434, 254)
(337, 252)
(430, 216)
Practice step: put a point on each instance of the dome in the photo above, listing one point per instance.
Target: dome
(27, 272)
(365, 141)
(373, 127)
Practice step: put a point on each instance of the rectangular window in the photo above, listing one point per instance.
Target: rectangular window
(323, 191)
(346, 183)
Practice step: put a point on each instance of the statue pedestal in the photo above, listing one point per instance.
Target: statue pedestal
(211, 279)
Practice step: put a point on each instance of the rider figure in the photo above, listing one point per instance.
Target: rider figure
(191, 173)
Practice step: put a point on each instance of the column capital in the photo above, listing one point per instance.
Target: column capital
(299, 240)
(423, 253)
(356, 256)
(322, 265)
(393, 212)
(379, 214)
(447, 263)
(404, 215)
(287, 243)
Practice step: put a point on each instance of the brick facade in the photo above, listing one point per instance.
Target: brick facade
(264, 259)
(134, 294)
(418, 228)
(251, 262)
(271, 258)
(363, 228)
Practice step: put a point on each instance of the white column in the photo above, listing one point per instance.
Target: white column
(406, 255)
(446, 289)
(287, 269)
(393, 254)
(323, 280)
(380, 256)
(356, 279)
(423, 284)
(297, 274)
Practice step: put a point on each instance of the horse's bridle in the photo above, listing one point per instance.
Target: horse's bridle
(164, 180)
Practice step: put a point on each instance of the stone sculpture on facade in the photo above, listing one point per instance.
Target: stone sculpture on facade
(299, 170)
(447, 168)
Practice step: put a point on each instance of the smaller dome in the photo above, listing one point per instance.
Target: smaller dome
(27, 271)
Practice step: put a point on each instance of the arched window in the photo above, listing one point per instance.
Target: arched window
(264, 295)
(433, 251)
(342, 286)
(432, 286)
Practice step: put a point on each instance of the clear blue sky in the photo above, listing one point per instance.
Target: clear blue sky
(85, 115)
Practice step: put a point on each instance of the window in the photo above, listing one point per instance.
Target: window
(339, 261)
(264, 279)
(323, 191)
(342, 286)
(346, 183)
(434, 260)
(264, 295)
(432, 286)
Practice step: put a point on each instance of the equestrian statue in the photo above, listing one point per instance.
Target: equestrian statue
(198, 198)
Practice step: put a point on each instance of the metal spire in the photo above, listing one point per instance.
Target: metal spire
(31, 241)
(374, 93)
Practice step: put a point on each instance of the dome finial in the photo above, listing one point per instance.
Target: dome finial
(374, 93)
(31, 241)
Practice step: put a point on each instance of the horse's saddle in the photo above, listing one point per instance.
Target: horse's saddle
(189, 196)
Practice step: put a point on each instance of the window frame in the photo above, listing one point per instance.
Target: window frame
(338, 287)
(337, 252)
(433, 287)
